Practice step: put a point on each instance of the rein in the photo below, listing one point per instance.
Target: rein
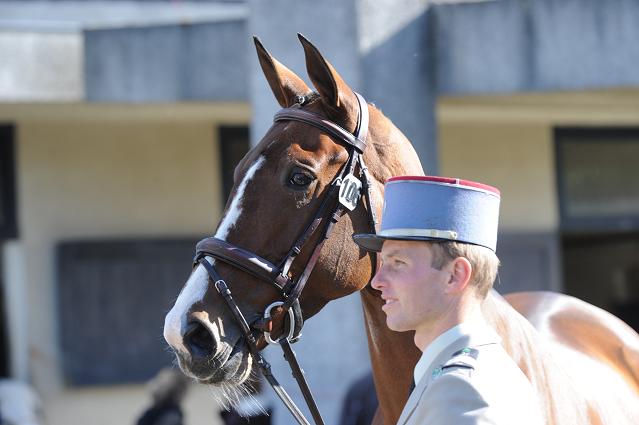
(343, 193)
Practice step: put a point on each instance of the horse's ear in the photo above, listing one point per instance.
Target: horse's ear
(334, 91)
(285, 84)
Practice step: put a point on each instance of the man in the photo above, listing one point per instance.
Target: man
(437, 248)
(167, 388)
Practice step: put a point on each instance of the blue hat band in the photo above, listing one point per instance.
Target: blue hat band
(436, 208)
(432, 209)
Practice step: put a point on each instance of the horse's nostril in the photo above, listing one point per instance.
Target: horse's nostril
(199, 340)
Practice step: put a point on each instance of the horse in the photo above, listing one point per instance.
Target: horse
(582, 362)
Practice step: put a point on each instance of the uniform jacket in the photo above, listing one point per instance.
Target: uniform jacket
(471, 380)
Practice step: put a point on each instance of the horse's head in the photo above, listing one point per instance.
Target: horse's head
(280, 186)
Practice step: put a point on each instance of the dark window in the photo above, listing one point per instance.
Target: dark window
(598, 181)
(598, 175)
(4, 341)
(113, 297)
(603, 269)
(234, 141)
(8, 227)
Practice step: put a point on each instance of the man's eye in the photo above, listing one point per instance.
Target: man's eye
(300, 179)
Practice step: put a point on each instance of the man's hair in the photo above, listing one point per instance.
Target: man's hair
(483, 260)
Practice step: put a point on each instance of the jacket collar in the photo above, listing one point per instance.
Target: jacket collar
(441, 350)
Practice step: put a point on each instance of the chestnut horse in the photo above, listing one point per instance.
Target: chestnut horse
(582, 361)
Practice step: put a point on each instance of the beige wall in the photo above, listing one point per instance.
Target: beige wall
(507, 141)
(107, 171)
(122, 405)
(518, 159)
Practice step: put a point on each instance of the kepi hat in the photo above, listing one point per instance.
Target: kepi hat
(433, 208)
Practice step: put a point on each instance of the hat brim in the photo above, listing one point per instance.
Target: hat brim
(372, 242)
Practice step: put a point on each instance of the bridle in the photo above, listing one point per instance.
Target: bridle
(343, 193)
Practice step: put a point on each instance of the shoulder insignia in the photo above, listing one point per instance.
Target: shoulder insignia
(467, 352)
(464, 359)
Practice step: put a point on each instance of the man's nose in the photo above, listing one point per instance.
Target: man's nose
(378, 280)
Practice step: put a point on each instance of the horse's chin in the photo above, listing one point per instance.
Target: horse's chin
(232, 367)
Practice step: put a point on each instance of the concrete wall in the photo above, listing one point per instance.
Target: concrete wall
(101, 172)
(167, 63)
(507, 141)
(396, 67)
(41, 66)
(520, 45)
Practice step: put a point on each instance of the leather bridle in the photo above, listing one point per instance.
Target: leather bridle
(343, 193)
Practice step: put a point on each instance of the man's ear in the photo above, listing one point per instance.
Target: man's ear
(460, 273)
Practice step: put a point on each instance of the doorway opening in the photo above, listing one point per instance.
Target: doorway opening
(4, 340)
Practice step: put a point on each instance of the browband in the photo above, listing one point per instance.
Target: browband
(359, 143)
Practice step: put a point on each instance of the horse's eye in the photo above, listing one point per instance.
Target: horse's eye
(301, 179)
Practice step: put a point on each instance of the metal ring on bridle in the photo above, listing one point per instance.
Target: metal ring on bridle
(291, 327)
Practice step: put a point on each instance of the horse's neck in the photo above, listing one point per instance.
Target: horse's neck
(390, 153)
(393, 357)
(531, 352)
(393, 354)
(519, 338)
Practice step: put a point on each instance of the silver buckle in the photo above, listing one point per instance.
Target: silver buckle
(291, 330)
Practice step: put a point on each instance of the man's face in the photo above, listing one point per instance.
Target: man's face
(413, 290)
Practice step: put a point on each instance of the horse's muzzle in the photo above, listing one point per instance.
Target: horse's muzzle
(199, 341)
(212, 362)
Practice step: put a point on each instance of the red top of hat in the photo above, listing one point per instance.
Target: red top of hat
(448, 180)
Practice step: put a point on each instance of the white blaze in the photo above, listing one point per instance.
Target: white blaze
(196, 286)
(235, 209)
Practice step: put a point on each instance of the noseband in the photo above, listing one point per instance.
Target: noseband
(343, 193)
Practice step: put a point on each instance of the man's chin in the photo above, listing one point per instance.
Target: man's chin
(400, 324)
(393, 325)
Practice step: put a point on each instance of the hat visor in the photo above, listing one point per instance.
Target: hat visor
(369, 242)
(373, 242)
